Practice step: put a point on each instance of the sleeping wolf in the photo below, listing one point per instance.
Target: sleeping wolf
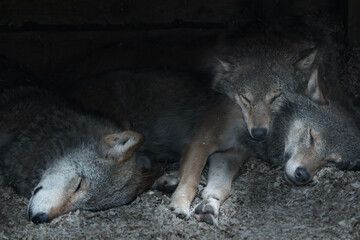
(306, 136)
(255, 75)
(310, 136)
(254, 70)
(66, 160)
(87, 162)
(256, 64)
(166, 107)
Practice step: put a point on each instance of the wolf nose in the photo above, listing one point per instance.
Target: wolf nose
(259, 133)
(302, 175)
(40, 218)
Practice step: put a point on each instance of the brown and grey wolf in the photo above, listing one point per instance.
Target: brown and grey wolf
(62, 151)
(63, 159)
(262, 65)
(166, 107)
(305, 137)
(313, 135)
(257, 74)
(254, 70)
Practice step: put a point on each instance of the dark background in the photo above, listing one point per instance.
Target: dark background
(61, 41)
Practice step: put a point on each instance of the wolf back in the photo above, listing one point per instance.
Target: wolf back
(163, 105)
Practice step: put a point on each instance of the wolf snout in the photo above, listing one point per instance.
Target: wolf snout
(302, 175)
(259, 133)
(39, 218)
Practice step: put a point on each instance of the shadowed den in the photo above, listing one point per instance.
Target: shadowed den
(178, 119)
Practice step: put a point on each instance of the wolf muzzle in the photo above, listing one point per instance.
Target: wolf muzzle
(39, 218)
(259, 133)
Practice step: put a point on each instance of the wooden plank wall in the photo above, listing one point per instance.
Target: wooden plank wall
(115, 12)
(353, 22)
(69, 39)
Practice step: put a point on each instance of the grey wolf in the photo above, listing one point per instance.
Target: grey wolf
(68, 153)
(310, 136)
(254, 72)
(257, 73)
(166, 107)
(306, 137)
(65, 160)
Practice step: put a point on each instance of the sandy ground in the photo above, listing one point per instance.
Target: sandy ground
(262, 206)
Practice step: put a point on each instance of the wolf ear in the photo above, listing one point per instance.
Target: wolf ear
(121, 146)
(225, 64)
(316, 88)
(307, 60)
(221, 65)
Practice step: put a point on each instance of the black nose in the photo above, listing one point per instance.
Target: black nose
(302, 175)
(40, 218)
(259, 133)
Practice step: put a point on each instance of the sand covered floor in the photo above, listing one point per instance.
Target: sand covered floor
(262, 206)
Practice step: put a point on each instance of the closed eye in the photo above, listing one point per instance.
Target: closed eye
(311, 138)
(245, 99)
(275, 97)
(37, 190)
(79, 185)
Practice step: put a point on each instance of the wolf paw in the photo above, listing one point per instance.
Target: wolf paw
(167, 183)
(180, 212)
(207, 211)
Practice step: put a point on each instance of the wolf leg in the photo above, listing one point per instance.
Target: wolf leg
(190, 170)
(222, 170)
(214, 133)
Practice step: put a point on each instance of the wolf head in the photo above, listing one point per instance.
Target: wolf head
(255, 77)
(319, 134)
(88, 178)
(316, 137)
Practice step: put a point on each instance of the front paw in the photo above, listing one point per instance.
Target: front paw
(180, 211)
(207, 211)
(167, 183)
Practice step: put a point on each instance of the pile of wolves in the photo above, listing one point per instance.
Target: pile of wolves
(269, 95)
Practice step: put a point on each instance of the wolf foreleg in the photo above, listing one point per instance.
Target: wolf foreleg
(223, 168)
(190, 170)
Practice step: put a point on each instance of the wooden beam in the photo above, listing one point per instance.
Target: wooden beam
(63, 56)
(17, 13)
(353, 22)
